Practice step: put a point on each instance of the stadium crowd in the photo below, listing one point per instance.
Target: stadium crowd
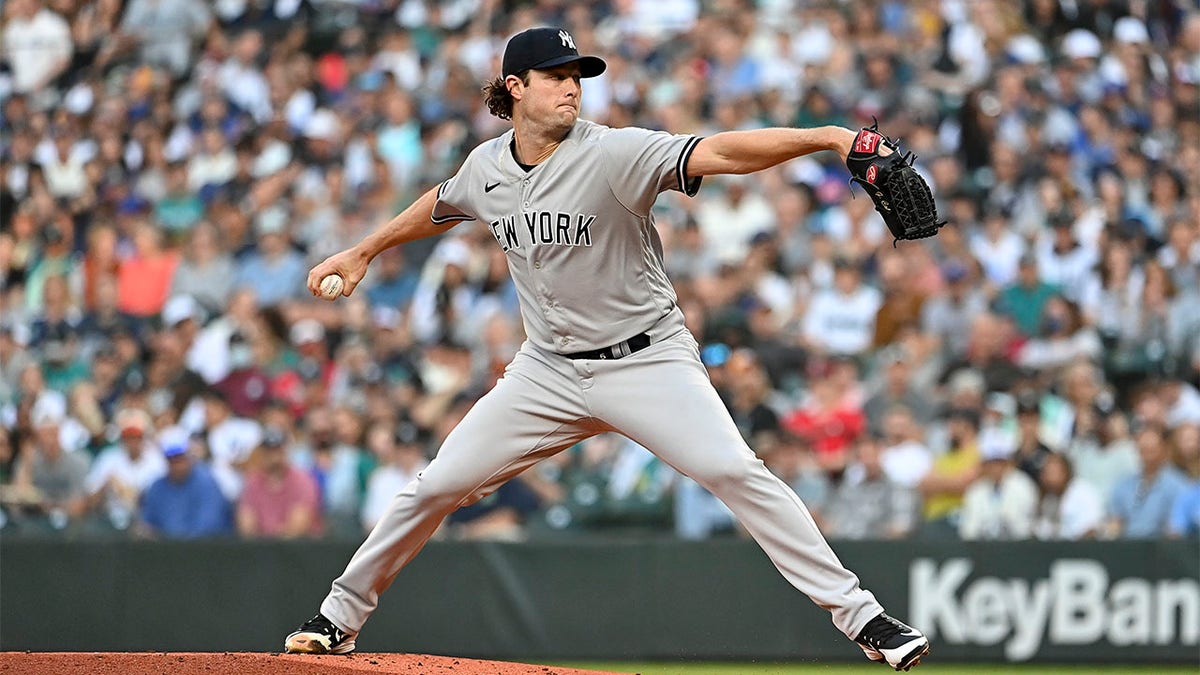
(171, 169)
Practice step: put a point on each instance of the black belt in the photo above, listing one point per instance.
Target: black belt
(623, 348)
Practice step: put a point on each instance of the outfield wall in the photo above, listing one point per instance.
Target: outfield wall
(588, 599)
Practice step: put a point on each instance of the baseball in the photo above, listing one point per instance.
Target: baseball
(331, 286)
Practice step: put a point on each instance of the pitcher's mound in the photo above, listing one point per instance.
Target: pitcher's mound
(243, 663)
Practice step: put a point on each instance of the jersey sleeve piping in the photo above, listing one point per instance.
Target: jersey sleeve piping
(687, 187)
(441, 220)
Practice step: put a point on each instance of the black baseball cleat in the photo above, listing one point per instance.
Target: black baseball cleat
(318, 635)
(893, 642)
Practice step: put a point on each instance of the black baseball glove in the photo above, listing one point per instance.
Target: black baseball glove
(900, 194)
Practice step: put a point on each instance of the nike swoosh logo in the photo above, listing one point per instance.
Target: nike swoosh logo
(490, 186)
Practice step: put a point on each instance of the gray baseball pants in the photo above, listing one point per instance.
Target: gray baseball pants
(659, 397)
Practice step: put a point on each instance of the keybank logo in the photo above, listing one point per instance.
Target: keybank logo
(1077, 604)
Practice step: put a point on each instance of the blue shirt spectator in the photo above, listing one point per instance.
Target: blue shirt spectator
(186, 503)
(1141, 503)
(273, 271)
(1185, 514)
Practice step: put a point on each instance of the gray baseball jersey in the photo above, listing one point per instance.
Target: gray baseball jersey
(587, 262)
(577, 229)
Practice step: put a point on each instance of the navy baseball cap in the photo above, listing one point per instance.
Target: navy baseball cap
(545, 47)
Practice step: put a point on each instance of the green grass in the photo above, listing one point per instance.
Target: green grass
(870, 669)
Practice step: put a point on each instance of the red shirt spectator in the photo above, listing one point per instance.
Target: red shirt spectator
(279, 500)
(144, 280)
(827, 421)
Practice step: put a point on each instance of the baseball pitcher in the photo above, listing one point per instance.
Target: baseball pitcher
(569, 202)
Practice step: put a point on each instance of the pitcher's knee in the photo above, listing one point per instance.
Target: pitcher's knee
(439, 494)
(732, 470)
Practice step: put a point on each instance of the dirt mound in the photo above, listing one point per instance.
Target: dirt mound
(228, 663)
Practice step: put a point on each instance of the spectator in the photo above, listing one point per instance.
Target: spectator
(1182, 402)
(867, 504)
(905, 458)
(1111, 296)
(1185, 449)
(145, 277)
(1068, 508)
(213, 166)
(1141, 503)
(1185, 513)
(393, 283)
(732, 217)
(1181, 256)
(231, 439)
(180, 208)
(445, 296)
(279, 501)
(841, 320)
(1112, 457)
(37, 44)
(124, 470)
(1062, 338)
(51, 476)
(948, 317)
(1064, 261)
(164, 31)
(1002, 503)
(748, 394)
(953, 471)
(897, 389)
(401, 457)
(186, 503)
(205, 272)
(1031, 452)
(14, 357)
(273, 271)
(828, 421)
(998, 249)
(902, 301)
(1025, 299)
(340, 467)
(246, 388)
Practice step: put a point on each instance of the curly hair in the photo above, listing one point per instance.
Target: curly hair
(498, 98)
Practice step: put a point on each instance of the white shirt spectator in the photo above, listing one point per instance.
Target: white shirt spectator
(208, 356)
(1076, 513)
(1042, 354)
(1106, 307)
(126, 477)
(1070, 270)
(65, 178)
(999, 258)
(247, 88)
(212, 168)
(1003, 511)
(906, 463)
(166, 29)
(1103, 466)
(230, 444)
(38, 49)
(728, 224)
(842, 324)
(1186, 409)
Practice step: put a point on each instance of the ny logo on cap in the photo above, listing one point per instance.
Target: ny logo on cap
(566, 39)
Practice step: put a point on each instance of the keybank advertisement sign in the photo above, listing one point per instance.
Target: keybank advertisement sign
(1056, 608)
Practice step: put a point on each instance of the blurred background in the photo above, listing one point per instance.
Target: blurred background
(172, 168)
